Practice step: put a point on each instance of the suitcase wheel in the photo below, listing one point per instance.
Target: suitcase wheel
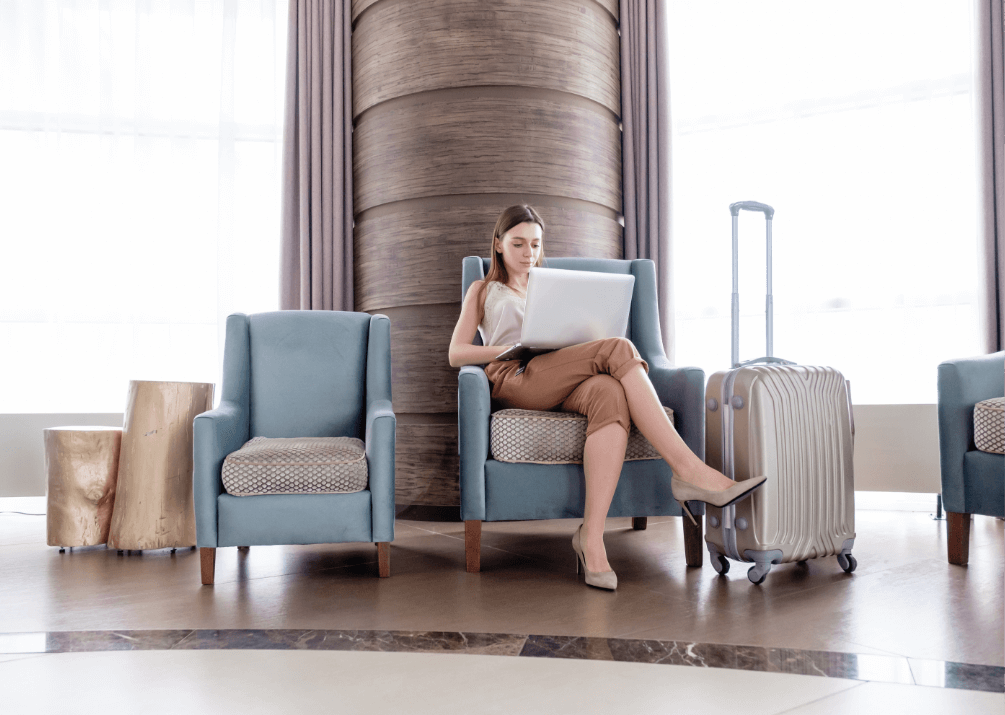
(721, 565)
(758, 572)
(847, 562)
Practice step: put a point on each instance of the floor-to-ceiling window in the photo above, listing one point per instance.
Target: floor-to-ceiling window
(854, 120)
(140, 153)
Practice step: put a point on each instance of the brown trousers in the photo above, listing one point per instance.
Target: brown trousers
(582, 378)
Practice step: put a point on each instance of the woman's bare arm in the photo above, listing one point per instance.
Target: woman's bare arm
(462, 352)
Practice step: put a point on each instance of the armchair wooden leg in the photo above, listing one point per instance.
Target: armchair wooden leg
(959, 537)
(694, 552)
(384, 558)
(639, 523)
(473, 545)
(208, 558)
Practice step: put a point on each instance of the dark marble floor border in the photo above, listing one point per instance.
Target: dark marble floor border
(867, 667)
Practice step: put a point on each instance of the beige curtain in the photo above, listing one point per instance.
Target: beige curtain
(316, 233)
(645, 119)
(989, 75)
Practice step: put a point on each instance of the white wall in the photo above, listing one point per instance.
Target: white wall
(896, 448)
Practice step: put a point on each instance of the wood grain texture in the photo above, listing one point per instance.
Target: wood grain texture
(440, 144)
(612, 6)
(358, 6)
(383, 559)
(426, 246)
(207, 563)
(480, 101)
(400, 48)
(473, 545)
(421, 377)
(958, 538)
(426, 465)
(694, 543)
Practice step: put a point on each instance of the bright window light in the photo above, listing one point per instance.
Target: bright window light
(141, 147)
(855, 122)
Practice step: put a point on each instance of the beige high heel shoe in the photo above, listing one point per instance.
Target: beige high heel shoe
(600, 579)
(685, 492)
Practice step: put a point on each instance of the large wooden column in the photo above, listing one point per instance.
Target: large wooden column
(460, 109)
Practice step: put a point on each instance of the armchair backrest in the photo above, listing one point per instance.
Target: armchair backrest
(643, 320)
(307, 373)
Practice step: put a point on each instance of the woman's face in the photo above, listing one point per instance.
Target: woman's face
(520, 247)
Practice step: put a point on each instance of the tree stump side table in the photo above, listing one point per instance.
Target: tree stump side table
(154, 508)
(81, 464)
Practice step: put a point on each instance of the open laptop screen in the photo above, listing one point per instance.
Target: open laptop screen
(566, 307)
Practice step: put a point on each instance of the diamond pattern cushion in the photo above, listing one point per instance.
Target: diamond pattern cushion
(989, 425)
(296, 465)
(553, 437)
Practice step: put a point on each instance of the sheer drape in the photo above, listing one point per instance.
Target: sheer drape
(867, 157)
(139, 190)
(317, 260)
(989, 76)
(645, 118)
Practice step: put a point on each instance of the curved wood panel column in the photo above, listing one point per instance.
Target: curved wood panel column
(460, 109)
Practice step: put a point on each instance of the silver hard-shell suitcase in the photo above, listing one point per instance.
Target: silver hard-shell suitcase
(793, 424)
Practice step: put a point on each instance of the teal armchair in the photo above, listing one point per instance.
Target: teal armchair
(973, 482)
(492, 490)
(299, 374)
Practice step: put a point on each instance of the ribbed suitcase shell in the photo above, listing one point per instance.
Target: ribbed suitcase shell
(793, 424)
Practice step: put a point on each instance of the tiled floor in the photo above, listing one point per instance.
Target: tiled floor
(904, 604)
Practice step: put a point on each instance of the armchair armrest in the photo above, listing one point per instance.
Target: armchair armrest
(215, 435)
(380, 429)
(380, 435)
(474, 407)
(682, 389)
(962, 384)
(378, 359)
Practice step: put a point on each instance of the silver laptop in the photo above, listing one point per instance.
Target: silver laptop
(571, 307)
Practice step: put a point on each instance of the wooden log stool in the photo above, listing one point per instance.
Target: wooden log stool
(81, 465)
(154, 508)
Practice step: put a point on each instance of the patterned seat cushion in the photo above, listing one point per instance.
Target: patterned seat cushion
(553, 437)
(296, 465)
(989, 425)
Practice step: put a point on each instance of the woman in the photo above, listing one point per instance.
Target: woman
(606, 380)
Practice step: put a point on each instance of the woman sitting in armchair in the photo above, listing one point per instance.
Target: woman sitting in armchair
(606, 380)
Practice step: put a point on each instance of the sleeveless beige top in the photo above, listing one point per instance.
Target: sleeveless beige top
(503, 318)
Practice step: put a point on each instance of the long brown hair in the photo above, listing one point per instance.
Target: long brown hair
(510, 217)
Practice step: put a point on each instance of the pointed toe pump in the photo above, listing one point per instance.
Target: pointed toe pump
(685, 492)
(600, 579)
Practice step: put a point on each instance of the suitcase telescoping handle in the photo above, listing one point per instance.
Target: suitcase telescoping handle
(769, 310)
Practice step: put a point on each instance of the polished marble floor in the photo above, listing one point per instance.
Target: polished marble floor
(827, 664)
(250, 682)
(905, 616)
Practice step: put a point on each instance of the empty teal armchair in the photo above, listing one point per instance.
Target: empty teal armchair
(493, 490)
(973, 481)
(299, 374)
